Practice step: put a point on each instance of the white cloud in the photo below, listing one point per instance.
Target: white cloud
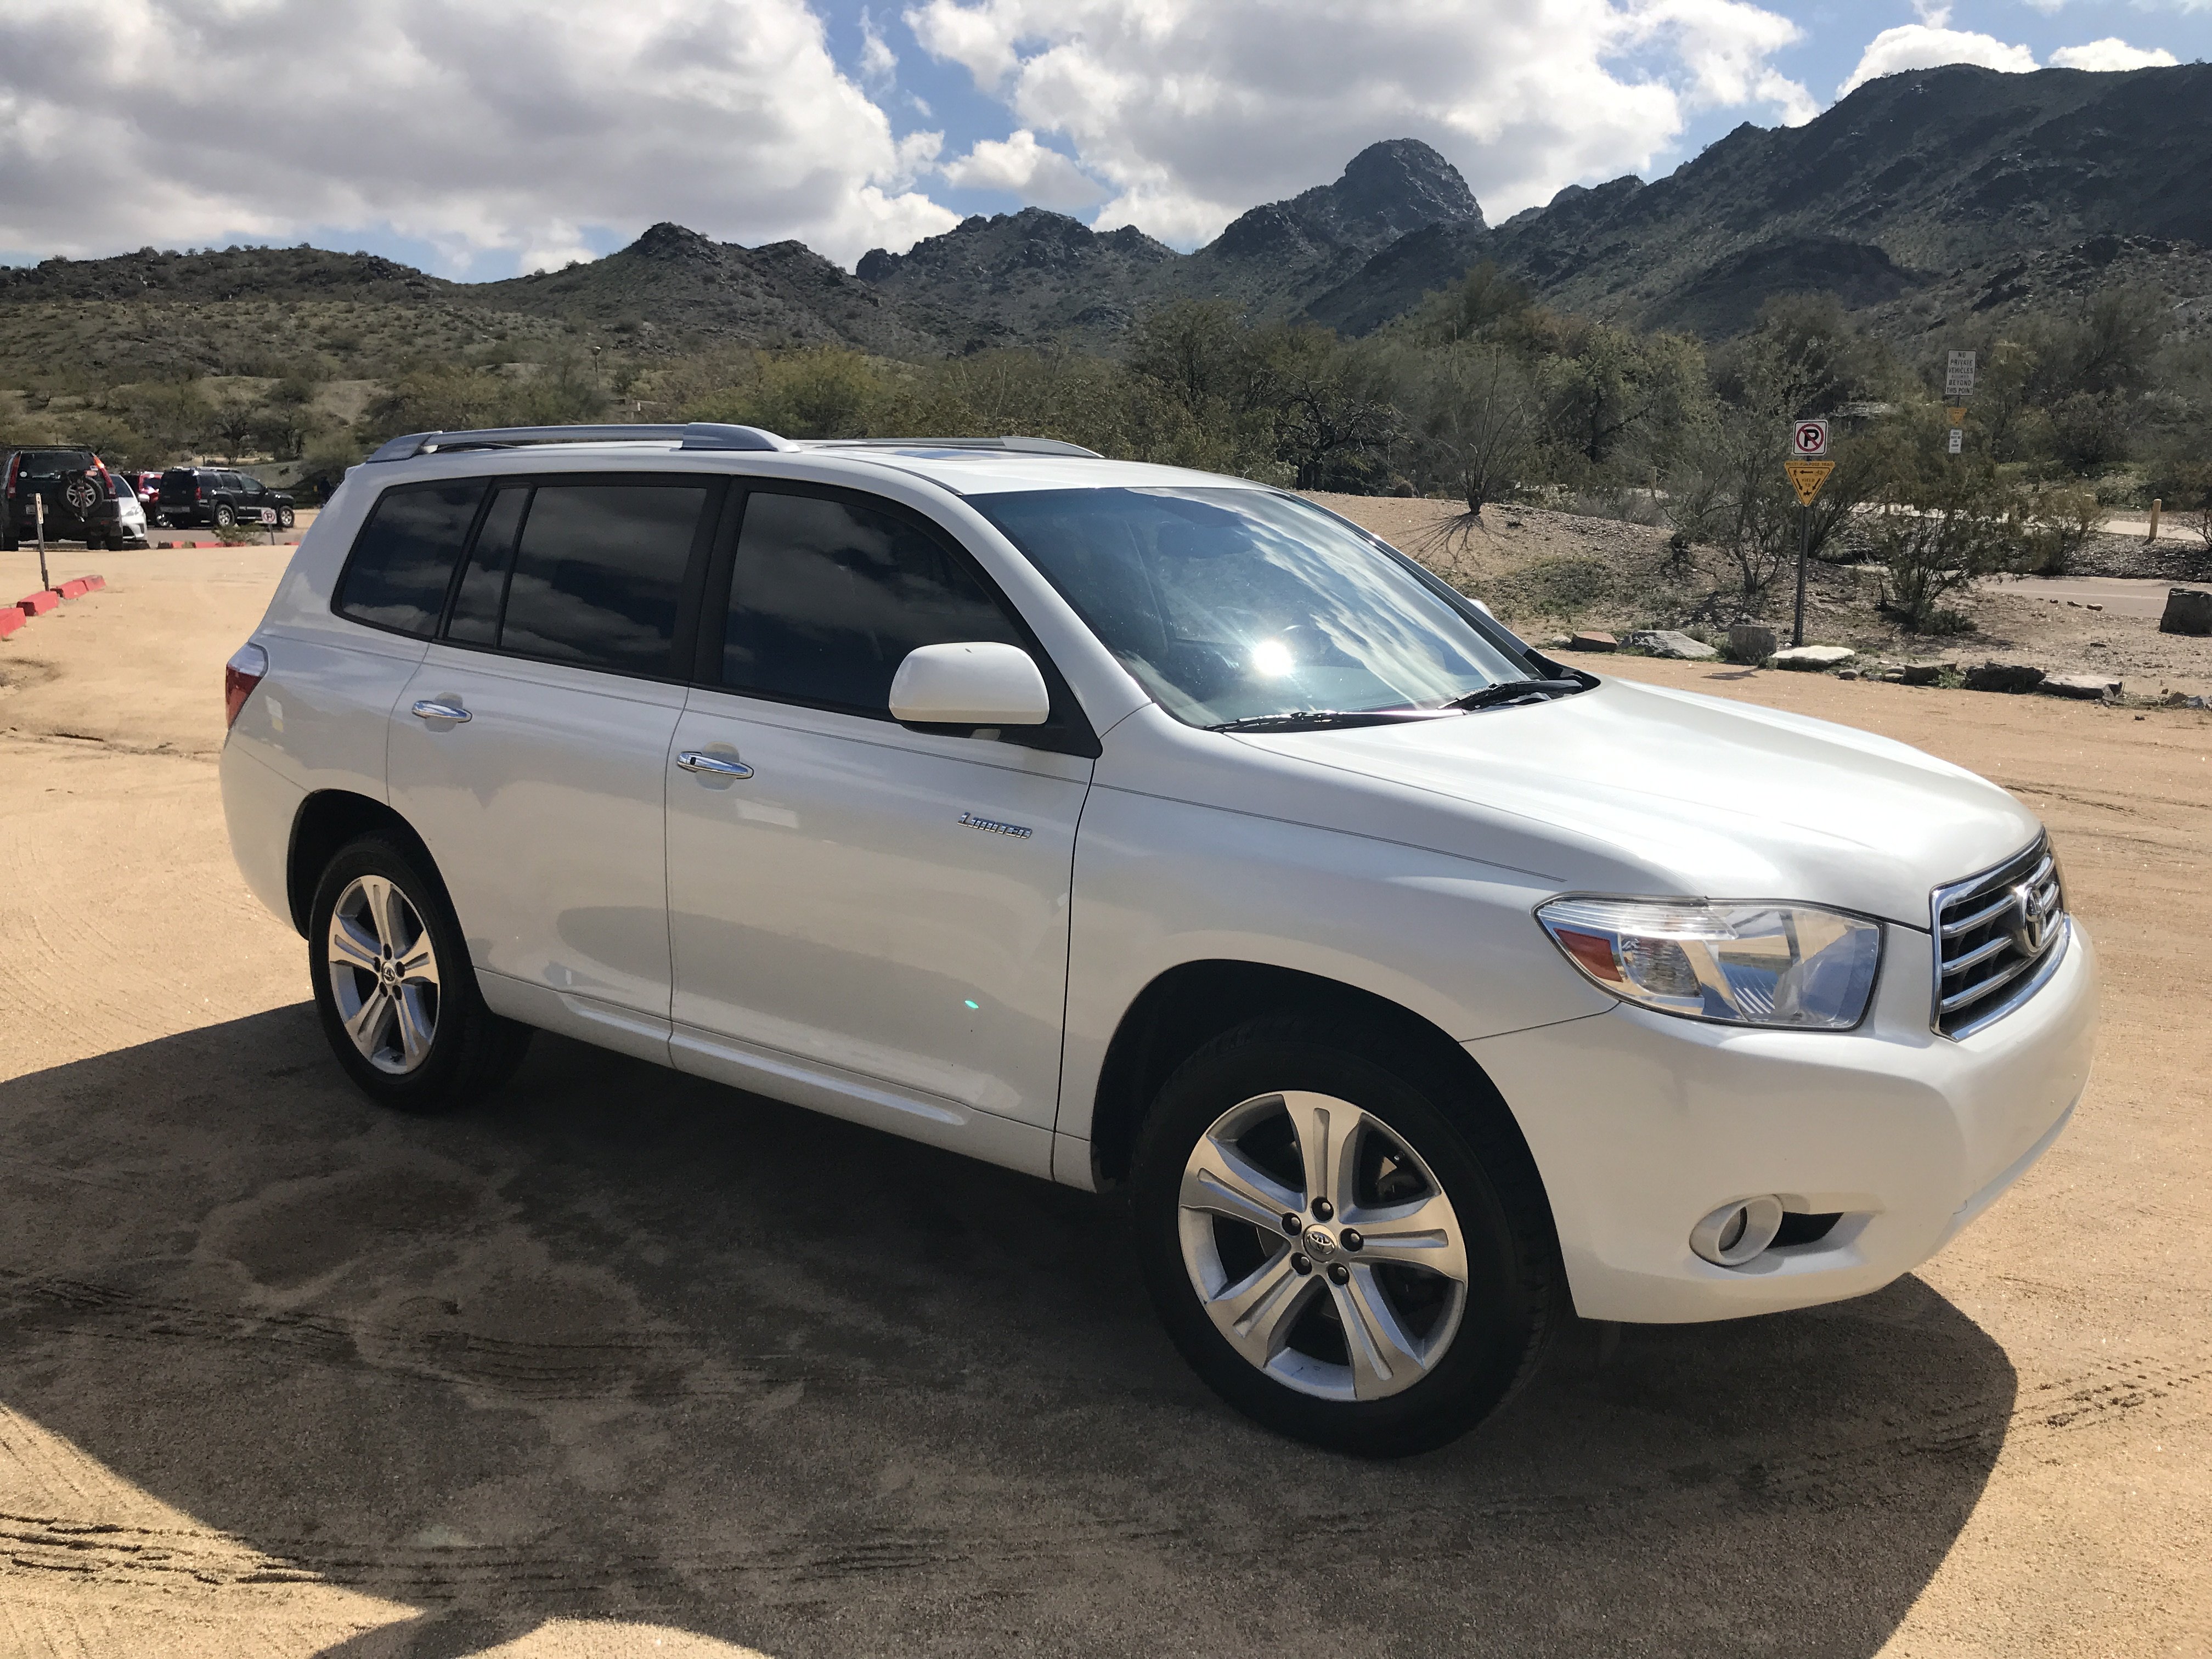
(1918, 45)
(2111, 53)
(1028, 169)
(514, 127)
(879, 63)
(1193, 110)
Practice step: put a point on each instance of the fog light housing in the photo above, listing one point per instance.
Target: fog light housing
(1735, 1232)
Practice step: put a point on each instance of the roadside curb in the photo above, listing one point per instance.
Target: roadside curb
(11, 618)
(38, 604)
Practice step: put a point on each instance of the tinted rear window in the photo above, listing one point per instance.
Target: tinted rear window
(827, 597)
(405, 554)
(54, 463)
(598, 573)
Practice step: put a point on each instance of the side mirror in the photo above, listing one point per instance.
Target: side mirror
(977, 684)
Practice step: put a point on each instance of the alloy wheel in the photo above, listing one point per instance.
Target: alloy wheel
(384, 974)
(1322, 1247)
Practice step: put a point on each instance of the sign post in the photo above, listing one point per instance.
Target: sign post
(38, 516)
(1809, 467)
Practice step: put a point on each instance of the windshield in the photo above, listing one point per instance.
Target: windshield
(1243, 604)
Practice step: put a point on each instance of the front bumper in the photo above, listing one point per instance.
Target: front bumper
(1640, 1124)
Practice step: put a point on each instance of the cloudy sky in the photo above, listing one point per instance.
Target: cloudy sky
(480, 137)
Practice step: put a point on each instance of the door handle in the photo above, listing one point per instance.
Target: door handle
(430, 709)
(722, 766)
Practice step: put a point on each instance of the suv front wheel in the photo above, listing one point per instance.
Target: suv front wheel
(1344, 1249)
(394, 988)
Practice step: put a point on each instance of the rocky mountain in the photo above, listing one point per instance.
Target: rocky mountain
(1895, 189)
(1918, 197)
(1034, 276)
(675, 284)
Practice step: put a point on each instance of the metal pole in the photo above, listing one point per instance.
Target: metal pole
(1804, 551)
(38, 515)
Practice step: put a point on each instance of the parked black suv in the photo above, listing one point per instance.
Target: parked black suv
(213, 495)
(80, 493)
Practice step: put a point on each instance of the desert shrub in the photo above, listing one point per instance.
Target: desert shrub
(1936, 534)
(1563, 585)
(2056, 524)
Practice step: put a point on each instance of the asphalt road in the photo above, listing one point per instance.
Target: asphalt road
(630, 1364)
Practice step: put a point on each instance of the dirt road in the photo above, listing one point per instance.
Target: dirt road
(633, 1364)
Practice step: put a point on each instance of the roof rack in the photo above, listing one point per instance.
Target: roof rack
(1013, 442)
(695, 435)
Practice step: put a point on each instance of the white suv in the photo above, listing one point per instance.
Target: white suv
(1139, 828)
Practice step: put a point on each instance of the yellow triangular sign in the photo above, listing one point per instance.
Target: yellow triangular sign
(1958, 415)
(1808, 476)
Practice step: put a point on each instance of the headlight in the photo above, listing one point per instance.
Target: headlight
(1749, 964)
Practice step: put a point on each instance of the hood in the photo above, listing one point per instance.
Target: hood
(1690, 794)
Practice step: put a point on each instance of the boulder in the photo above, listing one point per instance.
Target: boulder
(1925, 673)
(1751, 642)
(1814, 659)
(2188, 611)
(1667, 642)
(2003, 677)
(1593, 642)
(2089, 688)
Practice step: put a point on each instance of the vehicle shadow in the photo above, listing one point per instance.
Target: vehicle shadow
(625, 1345)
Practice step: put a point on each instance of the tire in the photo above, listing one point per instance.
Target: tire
(1359, 1350)
(285, 518)
(225, 519)
(434, 1048)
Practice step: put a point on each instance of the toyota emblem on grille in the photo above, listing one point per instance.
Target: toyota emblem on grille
(2033, 927)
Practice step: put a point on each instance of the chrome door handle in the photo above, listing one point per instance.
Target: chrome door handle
(428, 709)
(722, 766)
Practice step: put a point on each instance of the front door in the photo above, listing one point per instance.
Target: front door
(854, 903)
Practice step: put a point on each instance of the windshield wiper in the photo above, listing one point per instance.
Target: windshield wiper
(1513, 690)
(1303, 718)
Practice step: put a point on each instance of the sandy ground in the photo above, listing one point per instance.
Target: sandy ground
(628, 1364)
(2037, 621)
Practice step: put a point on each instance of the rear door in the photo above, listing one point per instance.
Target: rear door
(855, 903)
(531, 748)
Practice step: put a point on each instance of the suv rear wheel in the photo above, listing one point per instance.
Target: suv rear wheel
(394, 988)
(1339, 1246)
(224, 518)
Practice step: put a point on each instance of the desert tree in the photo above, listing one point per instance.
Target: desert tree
(1474, 415)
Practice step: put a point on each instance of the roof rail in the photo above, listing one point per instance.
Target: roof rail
(1014, 442)
(696, 435)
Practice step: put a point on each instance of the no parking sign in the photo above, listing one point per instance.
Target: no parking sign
(1808, 441)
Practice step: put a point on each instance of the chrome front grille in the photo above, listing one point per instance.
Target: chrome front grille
(1998, 937)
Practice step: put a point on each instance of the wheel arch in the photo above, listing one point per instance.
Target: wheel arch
(1187, 1006)
(326, 821)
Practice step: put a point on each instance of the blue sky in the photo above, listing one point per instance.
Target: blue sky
(484, 137)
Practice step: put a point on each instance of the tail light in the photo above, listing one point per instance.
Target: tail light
(14, 465)
(240, 675)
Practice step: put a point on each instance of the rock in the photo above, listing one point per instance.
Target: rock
(1666, 643)
(2089, 688)
(1814, 659)
(1926, 673)
(2188, 611)
(1593, 642)
(2180, 700)
(1558, 642)
(1751, 642)
(1847, 673)
(2003, 677)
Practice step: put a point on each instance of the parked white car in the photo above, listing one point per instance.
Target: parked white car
(1136, 827)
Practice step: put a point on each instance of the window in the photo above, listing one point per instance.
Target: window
(827, 597)
(599, 572)
(404, 555)
(1238, 604)
(476, 606)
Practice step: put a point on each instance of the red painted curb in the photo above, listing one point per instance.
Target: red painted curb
(38, 604)
(11, 618)
(71, 590)
(91, 584)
